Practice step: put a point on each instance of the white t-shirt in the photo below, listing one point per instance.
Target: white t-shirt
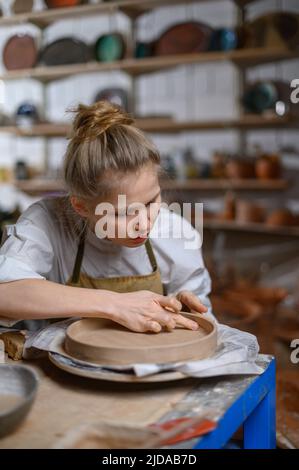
(40, 246)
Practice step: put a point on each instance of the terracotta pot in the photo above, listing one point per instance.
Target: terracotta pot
(247, 212)
(229, 210)
(268, 167)
(280, 217)
(235, 313)
(22, 6)
(240, 169)
(62, 3)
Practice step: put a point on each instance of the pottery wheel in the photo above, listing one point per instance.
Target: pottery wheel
(105, 342)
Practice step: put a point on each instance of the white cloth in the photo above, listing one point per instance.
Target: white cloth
(39, 246)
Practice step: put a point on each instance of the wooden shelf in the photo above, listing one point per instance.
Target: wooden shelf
(132, 8)
(166, 126)
(38, 130)
(250, 121)
(39, 186)
(225, 185)
(250, 228)
(131, 66)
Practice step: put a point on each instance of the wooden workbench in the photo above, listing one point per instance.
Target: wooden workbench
(65, 401)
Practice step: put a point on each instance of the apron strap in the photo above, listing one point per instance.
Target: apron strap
(151, 255)
(80, 252)
(78, 260)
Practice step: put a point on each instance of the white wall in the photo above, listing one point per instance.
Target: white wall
(188, 92)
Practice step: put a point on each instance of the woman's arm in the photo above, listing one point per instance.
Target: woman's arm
(39, 299)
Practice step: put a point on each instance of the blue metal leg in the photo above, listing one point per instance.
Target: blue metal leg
(259, 427)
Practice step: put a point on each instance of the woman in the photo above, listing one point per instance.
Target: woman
(57, 247)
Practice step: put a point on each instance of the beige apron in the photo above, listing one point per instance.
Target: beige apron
(120, 284)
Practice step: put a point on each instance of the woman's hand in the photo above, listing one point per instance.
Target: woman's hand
(191, 301)
(144, 310)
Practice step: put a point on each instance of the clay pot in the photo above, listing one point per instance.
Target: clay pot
(258, 293)
(235, 313)
(268, 167)
(229, 207)
(62, 3)
(218, 165)
(22, 6)
(280, 217)
(240, 169)
(247, 212)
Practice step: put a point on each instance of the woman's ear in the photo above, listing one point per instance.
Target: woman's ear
(79, 206)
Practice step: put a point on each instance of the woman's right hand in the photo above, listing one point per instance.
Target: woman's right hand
(144, 310)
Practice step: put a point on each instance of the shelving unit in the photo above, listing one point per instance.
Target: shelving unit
(132, 8)
(165, 125)
(135, 67)
(250, 228)
(242, 58)
(36, 186)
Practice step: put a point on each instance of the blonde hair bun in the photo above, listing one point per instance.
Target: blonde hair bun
(92, 121)
(104, 141)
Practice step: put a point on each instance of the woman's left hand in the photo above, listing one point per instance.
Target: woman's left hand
(191, 301)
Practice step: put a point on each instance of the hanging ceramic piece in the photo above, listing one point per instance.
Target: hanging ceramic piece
(20, 52)
(114, 95)
(184, 38)
(65, 51)
(62, 3)
(110, 47)
(223, 39)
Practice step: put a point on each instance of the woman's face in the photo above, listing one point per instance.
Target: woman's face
(127, 217)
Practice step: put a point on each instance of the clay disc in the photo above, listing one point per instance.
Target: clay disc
(20, 52)
(105, 342)
(184, 38)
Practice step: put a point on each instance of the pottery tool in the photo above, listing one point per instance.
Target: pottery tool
(185, 428)
(105, 435)
(104, 342)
